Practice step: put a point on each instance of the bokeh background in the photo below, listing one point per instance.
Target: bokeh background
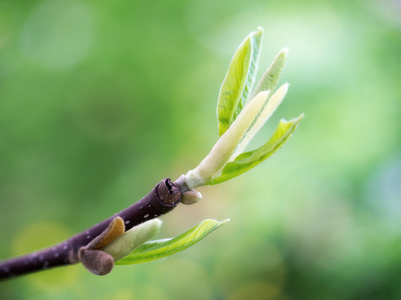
(99, 100)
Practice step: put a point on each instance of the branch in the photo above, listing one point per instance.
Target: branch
(163, 198)
(241, 112)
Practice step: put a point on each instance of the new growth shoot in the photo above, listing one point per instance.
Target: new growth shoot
(242, 111)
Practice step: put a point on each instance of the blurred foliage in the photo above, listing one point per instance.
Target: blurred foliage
(100, 100)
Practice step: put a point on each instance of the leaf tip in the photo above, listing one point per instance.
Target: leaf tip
(294, 121)
(225, 221)
(259, 31)
(285, 50)
(278, 96)
(260, 96)
(299, 118)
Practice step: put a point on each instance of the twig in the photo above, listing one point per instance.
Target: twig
(164, 197)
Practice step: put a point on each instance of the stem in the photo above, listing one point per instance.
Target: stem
(163, 198)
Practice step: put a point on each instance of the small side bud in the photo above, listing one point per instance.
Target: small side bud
(190, 197)
(96, 261)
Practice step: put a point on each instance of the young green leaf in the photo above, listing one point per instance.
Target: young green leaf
(239, 80)
(162, 248)
(270, 78)
(250, 159)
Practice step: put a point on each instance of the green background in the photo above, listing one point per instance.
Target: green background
(99, 100)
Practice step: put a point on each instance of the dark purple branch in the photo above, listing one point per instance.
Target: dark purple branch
(161, 199)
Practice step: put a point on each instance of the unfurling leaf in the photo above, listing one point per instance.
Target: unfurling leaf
(239, 80)
(261, 118)
(250, 159)
(158, 249)
(225, 146)
(132, 239)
